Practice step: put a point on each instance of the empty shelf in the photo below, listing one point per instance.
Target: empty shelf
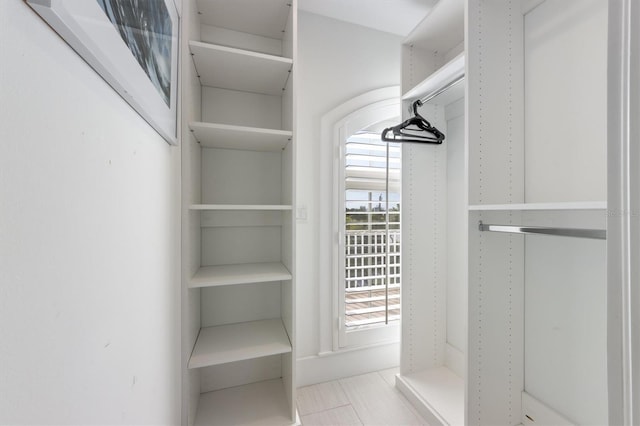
(441, 29)
(214, 135)
(240, 207)
(237, 342)
(261, 403)
(237, 69)
(437, 393)
(263, 18)
(212, 276)
(586, 205)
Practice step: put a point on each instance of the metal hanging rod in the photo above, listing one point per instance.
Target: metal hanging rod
(442, 89)
(598, 234)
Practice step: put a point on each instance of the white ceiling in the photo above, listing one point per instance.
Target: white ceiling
(392, 16)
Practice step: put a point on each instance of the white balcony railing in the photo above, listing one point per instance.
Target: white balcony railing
(372, 288)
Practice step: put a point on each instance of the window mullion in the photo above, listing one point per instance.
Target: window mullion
(386, 246)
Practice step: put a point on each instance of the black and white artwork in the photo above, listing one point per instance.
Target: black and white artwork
(145, 26)
(131, 44)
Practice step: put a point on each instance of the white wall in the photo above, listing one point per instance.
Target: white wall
(337, 61)
(89, 243)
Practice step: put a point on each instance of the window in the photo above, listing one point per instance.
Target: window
(365, 261)
(370, 232)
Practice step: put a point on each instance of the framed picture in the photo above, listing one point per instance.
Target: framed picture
(132, 44)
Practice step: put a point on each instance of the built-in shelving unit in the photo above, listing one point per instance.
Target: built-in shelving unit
(514, 157)
(536, 138)
(433, 344)
(238, 225)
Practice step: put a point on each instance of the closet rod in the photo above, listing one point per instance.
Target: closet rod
(598, 234)
(442, 89)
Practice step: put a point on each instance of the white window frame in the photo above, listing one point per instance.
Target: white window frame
(356, 121)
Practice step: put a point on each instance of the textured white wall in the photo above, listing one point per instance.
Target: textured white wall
(337, 61)
(89, 243)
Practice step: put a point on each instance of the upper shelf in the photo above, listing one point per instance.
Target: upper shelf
(586, 205)
(237, 69)
(215, 135)
(441, 29)
(266, 18)
(449, 73)
(238, 342)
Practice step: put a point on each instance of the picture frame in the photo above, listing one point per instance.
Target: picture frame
(132, 44)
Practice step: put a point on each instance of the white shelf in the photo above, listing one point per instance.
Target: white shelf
(586, 205)
(441, 29)
(437, 393)
(253, 207)
(237, 69)
(265, 18)
(237, 342)
(215, 135)
(448, 73)
(261, 403)
(212, 276)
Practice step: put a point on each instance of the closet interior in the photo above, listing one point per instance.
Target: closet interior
(498, 327)
(507, 327)
(238, 230)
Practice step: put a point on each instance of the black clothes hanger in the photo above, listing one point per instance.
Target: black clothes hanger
(415, 129)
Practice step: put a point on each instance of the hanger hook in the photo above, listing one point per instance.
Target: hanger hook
(415, 105)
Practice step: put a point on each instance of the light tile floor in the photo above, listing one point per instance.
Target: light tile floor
(369, 399)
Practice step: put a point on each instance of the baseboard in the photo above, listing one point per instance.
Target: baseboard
(339, 365)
